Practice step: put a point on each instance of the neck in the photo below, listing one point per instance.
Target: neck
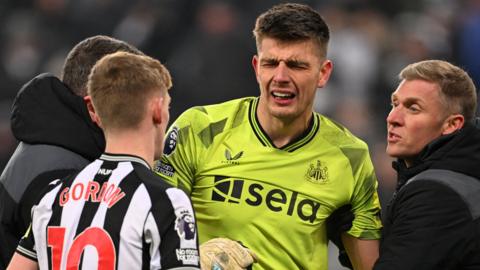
(280, 130)
(131, 142)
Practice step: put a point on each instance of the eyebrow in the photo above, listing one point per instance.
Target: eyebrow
(408, 100)
(288, 62)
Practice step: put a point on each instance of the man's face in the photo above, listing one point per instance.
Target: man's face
(417, 117)
(289, 75)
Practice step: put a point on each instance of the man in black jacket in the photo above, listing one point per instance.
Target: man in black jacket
(433, 219)
(56, 134)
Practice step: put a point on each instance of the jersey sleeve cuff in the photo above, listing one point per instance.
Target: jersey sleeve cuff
(27, 253)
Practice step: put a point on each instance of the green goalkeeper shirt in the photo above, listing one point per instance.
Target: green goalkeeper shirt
(274, 200)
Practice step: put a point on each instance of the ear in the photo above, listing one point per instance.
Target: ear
(255, 66)
(324, 74)
(91, 110)
(157, 106)
(453, 123)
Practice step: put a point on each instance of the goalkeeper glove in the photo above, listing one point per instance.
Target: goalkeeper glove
(225, 254)
(339, 222)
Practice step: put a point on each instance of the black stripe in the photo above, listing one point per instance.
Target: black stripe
(145, 255)
(90, 208)
(309, 129)
(55, 219)
(252, 109)
(115, 215)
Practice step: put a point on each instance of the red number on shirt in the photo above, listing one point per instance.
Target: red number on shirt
(93, 236)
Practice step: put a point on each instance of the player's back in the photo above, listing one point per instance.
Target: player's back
(114, 214)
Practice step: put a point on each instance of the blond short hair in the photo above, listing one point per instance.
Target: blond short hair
(120, 85)
(457, 90)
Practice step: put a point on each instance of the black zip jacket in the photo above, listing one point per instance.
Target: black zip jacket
(56, 137)
(433, 220)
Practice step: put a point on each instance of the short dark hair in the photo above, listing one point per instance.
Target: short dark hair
(291, 22)
(457, 90)
(83, 57)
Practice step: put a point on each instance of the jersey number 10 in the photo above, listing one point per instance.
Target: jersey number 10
(93, 236)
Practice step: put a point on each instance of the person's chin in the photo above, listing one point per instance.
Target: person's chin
(393, 151)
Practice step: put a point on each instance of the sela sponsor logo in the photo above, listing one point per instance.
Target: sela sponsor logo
(254, 194)
(317, 173)
(91, 191)
(185, 225)
(229, 159)
(170, 141)
(187, 255)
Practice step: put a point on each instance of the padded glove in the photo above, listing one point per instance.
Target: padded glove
(225, 254)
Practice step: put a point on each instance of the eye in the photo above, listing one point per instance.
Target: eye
(297, 65)
(269, 63)
(414, 108)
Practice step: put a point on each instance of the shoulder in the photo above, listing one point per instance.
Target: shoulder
(337, 134)
(31, 161)
(155, 185)
(201, 117)
(443, 189)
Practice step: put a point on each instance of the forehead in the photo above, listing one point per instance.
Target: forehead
(424, 91)
(274, 48)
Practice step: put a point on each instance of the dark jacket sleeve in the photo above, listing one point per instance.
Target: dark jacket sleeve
(429, 227)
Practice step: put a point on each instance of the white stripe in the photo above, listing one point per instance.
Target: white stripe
(181, 203)
(26, 252)
(131, 233)
(90, 259)
(152, 237)
(40, 218)
(73, 208)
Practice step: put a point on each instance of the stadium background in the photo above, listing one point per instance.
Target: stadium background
(207, 45)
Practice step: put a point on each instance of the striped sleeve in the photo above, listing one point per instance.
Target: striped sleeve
(178, 246)
(26, 247)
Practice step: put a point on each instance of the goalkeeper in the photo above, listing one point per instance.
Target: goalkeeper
(268, 171)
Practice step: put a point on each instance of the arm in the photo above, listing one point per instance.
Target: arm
(362, 253)
(361, 240)
(20, 262)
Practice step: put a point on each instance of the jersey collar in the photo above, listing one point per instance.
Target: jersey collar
(262, 136)
(124, 157)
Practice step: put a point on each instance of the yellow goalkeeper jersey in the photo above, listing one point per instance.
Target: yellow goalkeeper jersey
(274, 200)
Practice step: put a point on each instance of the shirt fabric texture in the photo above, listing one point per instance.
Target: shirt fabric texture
(114, 214)
(273, 200)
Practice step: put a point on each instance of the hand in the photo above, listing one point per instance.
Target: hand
(225, 254)
(339, 222)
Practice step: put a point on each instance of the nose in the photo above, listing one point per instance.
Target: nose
(395, 117)
(281, 73)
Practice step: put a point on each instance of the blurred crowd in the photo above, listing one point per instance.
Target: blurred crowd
(208, 46)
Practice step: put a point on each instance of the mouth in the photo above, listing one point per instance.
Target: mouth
(282, 95)
(393, 137)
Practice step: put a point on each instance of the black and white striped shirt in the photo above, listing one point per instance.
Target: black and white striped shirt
(114, 214)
